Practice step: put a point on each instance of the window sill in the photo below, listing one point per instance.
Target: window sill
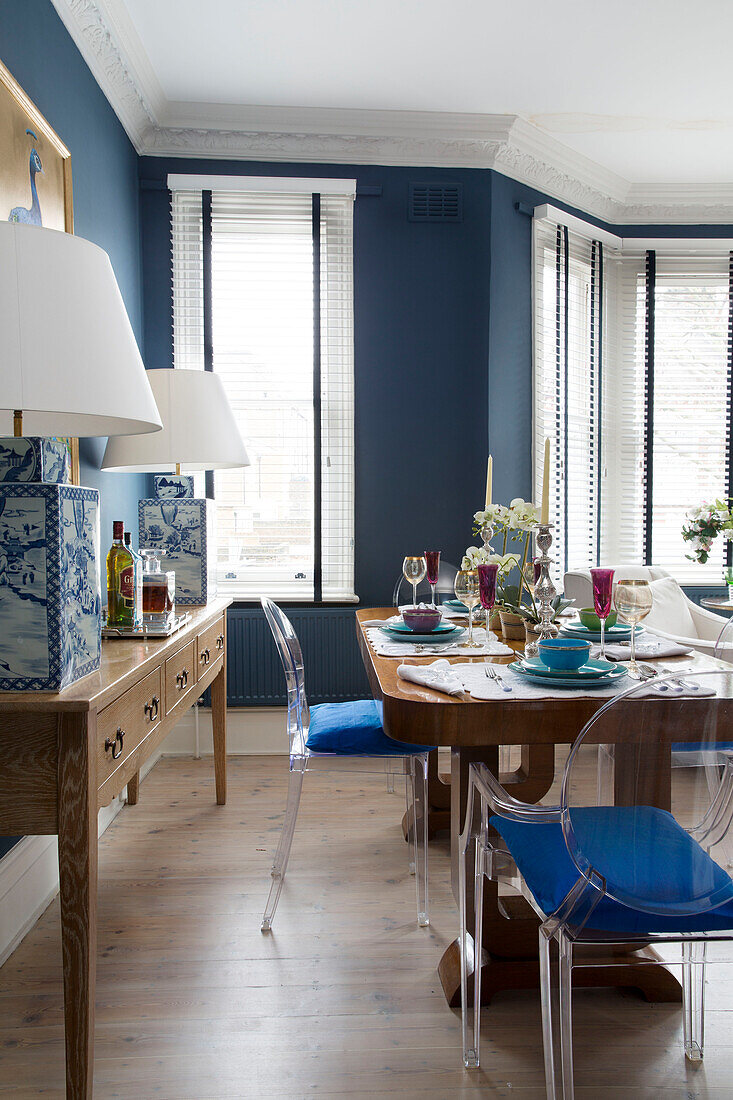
(246, 603)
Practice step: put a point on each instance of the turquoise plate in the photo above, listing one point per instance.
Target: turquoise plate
(613, 634)
(593, 669)
(456, 605)
(398, 627)
(617, 673)
(443, 637)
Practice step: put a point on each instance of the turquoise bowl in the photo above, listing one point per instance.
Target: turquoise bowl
(563, 654)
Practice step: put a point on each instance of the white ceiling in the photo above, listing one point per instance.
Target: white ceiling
(643, 87)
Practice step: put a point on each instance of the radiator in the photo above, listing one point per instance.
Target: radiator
(333, 667)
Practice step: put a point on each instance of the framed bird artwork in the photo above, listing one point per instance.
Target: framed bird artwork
(35, 177)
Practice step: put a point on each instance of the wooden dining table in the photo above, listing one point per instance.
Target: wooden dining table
(475, 730)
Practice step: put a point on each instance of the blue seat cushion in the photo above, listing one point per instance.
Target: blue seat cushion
(639, 847)
(354, 729)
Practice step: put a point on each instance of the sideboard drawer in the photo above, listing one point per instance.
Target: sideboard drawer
(180, 675)
(125, 723)
(211, 645)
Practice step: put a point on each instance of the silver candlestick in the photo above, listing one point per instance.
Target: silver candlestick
(544, 590)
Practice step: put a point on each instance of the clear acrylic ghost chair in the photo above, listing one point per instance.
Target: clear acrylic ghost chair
(607, 866)
(412, 763)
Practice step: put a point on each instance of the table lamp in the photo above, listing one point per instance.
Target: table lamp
(199, 433)
(70, 367)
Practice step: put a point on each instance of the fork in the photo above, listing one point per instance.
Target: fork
(492, 674)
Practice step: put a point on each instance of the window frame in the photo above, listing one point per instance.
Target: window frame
(338, 195)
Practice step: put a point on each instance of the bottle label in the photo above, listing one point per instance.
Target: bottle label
(127, 583)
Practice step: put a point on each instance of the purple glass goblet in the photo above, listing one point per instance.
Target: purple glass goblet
(602, 581)
(487, 585)
(432, 563)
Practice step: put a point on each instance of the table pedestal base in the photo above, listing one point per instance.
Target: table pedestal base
(654, 983)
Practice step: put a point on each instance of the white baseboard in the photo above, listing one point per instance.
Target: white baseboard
(251, 731)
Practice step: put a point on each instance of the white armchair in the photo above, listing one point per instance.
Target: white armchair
(673, 614)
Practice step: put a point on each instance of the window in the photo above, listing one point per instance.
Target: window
(568, 378)
(263, 295)
(687, 423)
(632, 382)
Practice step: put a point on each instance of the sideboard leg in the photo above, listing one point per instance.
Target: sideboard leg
(219, 724)
(77, 831)
(133, 789)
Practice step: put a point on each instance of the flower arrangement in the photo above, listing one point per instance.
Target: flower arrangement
(703, 525)
(515, 525)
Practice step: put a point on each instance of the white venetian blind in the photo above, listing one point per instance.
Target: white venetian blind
(568, 379)
(690, 413)
(262, 292)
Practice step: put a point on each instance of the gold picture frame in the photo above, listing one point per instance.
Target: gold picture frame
(35, 177)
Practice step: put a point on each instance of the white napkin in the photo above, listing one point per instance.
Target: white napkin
(439, 675)
(647, 648)
(476, 682)
(490, 646)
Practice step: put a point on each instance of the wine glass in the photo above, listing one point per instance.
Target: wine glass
(487, 589)
(432, 565)
(633, 601)
(531, 574)
(602, 580)
(466, 588)
(413, 570)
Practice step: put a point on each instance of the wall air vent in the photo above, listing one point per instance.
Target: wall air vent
(436, 202)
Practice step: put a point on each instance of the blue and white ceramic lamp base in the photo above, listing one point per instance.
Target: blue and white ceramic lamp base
(183, 526)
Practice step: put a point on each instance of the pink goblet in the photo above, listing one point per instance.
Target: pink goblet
(487, 589)
(432, 568)
(602, 581)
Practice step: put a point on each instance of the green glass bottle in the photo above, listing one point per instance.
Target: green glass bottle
(120, 581)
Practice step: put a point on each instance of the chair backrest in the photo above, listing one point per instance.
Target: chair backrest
(444, 587)
(578, 588)
(624, 824)
(291, 656)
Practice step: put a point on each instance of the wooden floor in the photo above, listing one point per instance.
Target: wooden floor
(342, 1000)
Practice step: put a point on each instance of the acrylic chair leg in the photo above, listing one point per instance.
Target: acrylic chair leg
(469, 1052)
(419, 828)
(547, 995)
(409, 817)
(693, 998)
(390, 782)
(478, 944)
(280, 866)
(566, 1014)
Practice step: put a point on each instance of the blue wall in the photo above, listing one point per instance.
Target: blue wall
(421, 347)
(40, 54)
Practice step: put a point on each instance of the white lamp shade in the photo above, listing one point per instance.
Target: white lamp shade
(68, 357)
(199, 429)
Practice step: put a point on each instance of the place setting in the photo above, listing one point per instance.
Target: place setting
(423, 629)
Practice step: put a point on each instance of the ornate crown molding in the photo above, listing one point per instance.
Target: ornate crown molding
(109, 44)
(92, 30)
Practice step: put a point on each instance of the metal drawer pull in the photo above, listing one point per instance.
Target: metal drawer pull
(205, 657)
(220, 642)
(111, 745)
(182, 678)
(152, 708)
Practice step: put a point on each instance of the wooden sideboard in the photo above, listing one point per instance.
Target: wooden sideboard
(64, 755)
